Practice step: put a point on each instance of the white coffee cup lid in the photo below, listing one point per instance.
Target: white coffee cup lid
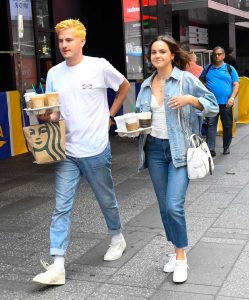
(119, 117)
(129, 115)
(144, 115)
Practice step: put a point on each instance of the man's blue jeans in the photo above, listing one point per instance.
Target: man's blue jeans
(226, 117)
(170, 184)
(97, 171)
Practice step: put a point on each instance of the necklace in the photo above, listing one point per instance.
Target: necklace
(161, 83)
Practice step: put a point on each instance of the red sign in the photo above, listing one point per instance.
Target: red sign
(131, 9)
(149, 2)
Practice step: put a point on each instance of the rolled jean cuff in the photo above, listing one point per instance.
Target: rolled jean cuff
(181, 245)
(113, 232)
(56, 251)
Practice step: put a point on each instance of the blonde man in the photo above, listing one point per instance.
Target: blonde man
(82, 83)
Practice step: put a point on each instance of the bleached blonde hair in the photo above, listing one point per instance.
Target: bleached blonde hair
(76, 25)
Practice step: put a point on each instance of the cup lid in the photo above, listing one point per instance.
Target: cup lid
(29, 94)
(119, 117)
(37, 96)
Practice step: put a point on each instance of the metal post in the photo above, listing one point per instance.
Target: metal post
(17, 21)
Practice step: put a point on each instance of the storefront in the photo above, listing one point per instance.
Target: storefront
(120, 31)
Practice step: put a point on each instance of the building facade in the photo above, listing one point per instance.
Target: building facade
(120, 31)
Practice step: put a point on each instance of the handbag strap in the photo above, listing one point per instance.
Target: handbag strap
(194, 140)
(179, 109)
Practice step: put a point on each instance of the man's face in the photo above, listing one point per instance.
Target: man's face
(218, 55)
(70, 46)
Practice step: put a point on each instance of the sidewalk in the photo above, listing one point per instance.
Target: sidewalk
(218, 226)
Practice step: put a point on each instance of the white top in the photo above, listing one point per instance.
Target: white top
(84, 106)
(159, 129)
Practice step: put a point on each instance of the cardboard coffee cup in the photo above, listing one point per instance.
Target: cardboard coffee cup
(144, 119)
(38, 100)
(27, 98)
(120, 123)
(131, 121)
(52, 99)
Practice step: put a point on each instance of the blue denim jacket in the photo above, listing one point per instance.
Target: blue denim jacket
(191, 118)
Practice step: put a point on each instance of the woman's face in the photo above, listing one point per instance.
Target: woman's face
(161, 57)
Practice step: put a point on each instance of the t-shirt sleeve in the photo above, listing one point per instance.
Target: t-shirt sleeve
(112, 77)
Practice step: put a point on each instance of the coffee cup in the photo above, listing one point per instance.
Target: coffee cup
(120, 123)
(144, 119)
(131, 121)
(37, 100)
(27, 98)
(52, 99)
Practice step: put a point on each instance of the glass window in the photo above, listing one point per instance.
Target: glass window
(133, 39)
(23, 42)
(150, 28)
(42, 13)
(44, 52)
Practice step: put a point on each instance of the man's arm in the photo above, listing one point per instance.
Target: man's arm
(120, 97)
(235, 91)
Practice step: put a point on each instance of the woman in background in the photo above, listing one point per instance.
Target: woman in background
(192, 66)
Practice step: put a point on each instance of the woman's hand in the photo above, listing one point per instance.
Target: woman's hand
(179, 101)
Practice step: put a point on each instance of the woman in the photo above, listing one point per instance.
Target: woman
(164, 150)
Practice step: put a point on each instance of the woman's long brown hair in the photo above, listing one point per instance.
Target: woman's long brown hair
(181, 57)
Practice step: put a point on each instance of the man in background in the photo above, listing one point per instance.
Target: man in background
(223, 81)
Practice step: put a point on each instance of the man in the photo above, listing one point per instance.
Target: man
(82, 83)
(223, 81)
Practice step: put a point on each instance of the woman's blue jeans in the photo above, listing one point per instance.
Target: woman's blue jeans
(170, 184)
(97, 171)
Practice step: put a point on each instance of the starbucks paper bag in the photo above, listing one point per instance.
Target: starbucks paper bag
(46, 141)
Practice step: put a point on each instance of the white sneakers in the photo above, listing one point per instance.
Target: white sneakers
(180, 274)
(178, 267)
(56, 276)
(170, 265)
(52, 276)
(115, 250)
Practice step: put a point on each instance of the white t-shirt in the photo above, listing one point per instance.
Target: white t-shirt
(84, 105)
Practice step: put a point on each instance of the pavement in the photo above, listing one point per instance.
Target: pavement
(217, 210)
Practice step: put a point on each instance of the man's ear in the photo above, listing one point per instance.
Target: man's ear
(83, 43)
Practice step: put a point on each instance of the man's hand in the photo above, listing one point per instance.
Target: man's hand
(50, 117)
(230, 102)
(46, 117)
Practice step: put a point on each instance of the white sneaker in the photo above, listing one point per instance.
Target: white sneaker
(46, 265)
(51, 277)
(170, 265)
(181, 271)
(115, 250)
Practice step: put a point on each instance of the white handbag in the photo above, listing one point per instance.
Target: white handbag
(199, 159)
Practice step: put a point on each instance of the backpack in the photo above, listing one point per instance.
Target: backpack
(229, 70)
